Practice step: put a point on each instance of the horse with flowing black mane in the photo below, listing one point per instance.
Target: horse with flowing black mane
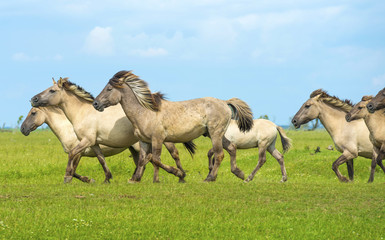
(111, 128)
(157, 120)
(376, 125)
(350, 138)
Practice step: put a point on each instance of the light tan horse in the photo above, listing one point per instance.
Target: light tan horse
(63, 130)
(263, 136)
(376, 125)
(91, 127)
(350, 138)
(157, 120)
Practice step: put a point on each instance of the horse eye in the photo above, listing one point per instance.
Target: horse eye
(33, 113)
(109, 89)
(307, 106)
(52, 91)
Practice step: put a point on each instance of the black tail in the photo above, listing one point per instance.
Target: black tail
(242, 113)
(191, 147)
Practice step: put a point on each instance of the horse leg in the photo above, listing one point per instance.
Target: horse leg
(175, 155)
(376, 154)
(102, 162)
(277, 155)
(342, 159)
(350, 167)
(84, 143)
(156, 151)
(144, 157)
(211, 159)
(379, 158)
(218, 157)
(232, 150)
(261, 161)
(75, 166)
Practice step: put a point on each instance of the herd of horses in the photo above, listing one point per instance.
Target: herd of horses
(126, 114)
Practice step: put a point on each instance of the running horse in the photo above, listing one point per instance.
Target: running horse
(376, 125)
(350, 138)
(263, 136)
(92, 128)
(157, 120)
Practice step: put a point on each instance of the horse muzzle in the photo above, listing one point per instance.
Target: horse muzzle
(98, 106)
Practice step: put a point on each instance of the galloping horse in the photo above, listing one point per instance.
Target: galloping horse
(262, 136)
(376, 125)
(350, 138)
(156, 120)
(91, 127)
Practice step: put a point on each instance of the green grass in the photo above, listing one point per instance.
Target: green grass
(313, 204)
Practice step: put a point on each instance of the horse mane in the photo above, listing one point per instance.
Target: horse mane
(75, 89)
(367, 98)
(344, 105)
(139, 88)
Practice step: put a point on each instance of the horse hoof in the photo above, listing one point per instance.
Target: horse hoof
(210, 179)
(130, 181)
(247, 180)
(182, 181)
(283, 180)
(67, 179)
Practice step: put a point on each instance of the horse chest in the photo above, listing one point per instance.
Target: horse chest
(141, 135)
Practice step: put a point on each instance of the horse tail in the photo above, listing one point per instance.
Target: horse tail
(191, 147)
(241, 112)
(286, 142)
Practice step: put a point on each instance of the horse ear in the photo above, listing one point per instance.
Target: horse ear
(317, 97)
(53, 80)
(60, 82)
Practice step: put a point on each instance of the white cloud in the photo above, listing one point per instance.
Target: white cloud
(22, 57)
(100, 42)
(150, 52)
(379, 81)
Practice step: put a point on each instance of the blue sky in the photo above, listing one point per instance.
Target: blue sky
(270, 53)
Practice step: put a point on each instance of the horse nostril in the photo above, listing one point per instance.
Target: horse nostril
(294, 121)
(369, 106)
(347, 117)
(35, 99)
(95, 104)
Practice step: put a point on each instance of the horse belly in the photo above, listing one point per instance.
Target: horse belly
(185, 136)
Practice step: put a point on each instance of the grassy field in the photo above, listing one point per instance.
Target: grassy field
(313, 204)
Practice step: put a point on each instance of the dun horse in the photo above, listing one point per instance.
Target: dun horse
(63, 130)
(262, 136)
(378, 102)
(156, 120)
(92, 128)
(376, 125)
(350, 138)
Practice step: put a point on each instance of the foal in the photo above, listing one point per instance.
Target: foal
(262, 136)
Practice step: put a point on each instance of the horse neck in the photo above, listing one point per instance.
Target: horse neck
(331, 118)
(134, 111)
(75, 108)
(61, 127)
(374, 122)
